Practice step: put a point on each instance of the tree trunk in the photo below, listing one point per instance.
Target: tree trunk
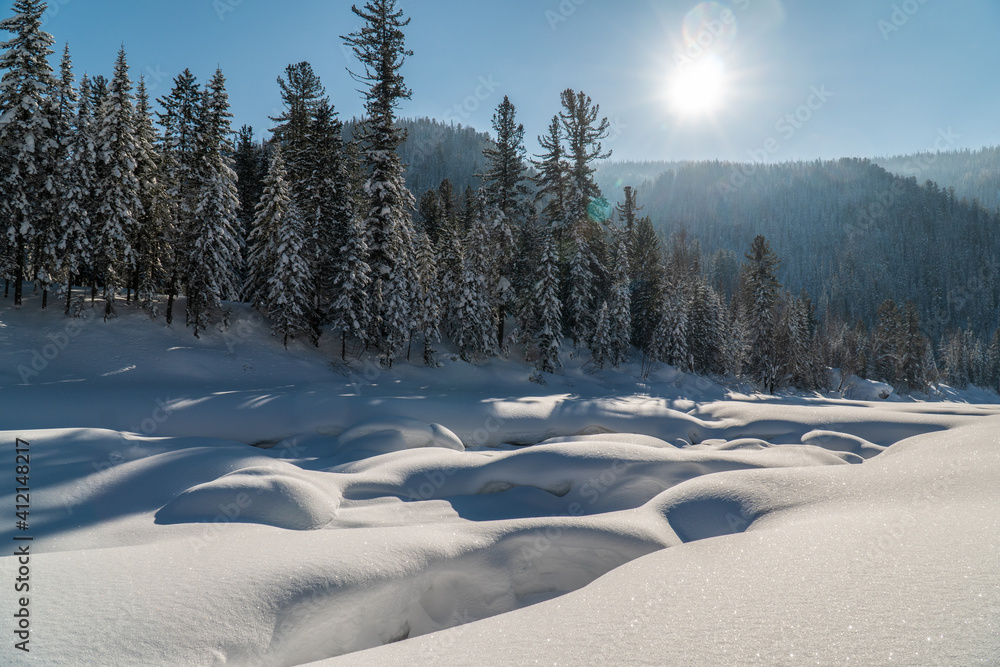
(502, 316)
(69, 292)
(18, 278)
(343, 345)
(45, 298)
(170, 299)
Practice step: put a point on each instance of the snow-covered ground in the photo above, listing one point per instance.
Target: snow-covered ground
(225, 501)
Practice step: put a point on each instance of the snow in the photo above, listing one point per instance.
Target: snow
(224, 501)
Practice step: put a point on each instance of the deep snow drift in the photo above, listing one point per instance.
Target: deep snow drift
(658, 522)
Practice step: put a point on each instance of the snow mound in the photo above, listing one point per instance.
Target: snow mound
(842, 442)
(867, 390)
(626, 438)
(281, 496)
(392, 434)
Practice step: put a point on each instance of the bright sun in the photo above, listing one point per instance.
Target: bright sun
(699, 89)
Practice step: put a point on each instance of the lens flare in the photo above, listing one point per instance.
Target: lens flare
(709, 28)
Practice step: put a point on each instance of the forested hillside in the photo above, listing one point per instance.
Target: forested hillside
(435, 151)
(848, 231)
(975, 174)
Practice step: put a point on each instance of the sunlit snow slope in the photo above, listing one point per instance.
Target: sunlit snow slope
(649, 522)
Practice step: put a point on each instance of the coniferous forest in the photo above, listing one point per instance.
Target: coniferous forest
(391, 236)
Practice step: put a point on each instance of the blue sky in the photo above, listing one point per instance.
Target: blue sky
(881, 77)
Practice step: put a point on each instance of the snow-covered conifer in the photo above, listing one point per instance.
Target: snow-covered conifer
(620, 309)
(548, 317)
(214, 246)
(118, 189)
(279, 274)
(25, 87)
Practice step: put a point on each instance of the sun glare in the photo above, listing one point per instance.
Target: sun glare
(698, 89)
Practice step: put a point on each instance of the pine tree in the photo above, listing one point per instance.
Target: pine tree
(474, 313)
(451, 261)
(672, 336)
(429, 310)
(548, 308)
(647, 275)
(182, 173)
(250, 165)
(915, 351)
(301, 93)
(25, 87)
(504, 179)
(326, 197)
(706, 330)
(214, 246)
(152, 251)
(627, 211)
(551, 180)
(77, 178)
(118, 189)
(379, 45)
(600, 344)
(350, 310)
(583, 135)
(505, 197)
(758, 312)
(620, 309)
(887, 343)
(581, 287)
(279, 275)
(60, 108)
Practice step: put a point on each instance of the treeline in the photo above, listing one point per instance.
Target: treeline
(972, 175)
(315, 227)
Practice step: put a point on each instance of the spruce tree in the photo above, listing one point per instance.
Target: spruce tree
(182, 173)
(77, 178)
(250, 165)
(915, 351)
(118, 189)
(350, 311)
(506, 174)
(646, 275)
(60, 109)
(620, 309)
(213, 243)
(600, 344)
(887, 343)
(758, 313)
(551, 179)
(429, 307)
(278, 273)
(379, 46)
(548, 307)
(505, 195)
(328, 203)
(474, 313)
(301, 94)
(26, 84)
(152, 251)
